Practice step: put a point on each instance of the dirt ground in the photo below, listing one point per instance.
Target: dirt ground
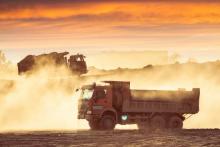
(183, 138)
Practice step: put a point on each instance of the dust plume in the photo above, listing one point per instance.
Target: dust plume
(41, 101)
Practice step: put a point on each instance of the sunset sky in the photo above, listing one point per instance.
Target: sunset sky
(190, 27)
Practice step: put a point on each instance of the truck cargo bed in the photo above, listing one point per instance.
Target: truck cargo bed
(161, 95)
(162, 101)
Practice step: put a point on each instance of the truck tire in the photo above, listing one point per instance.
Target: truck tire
(107, 122)
(175, 122)
(94, 125)
(158, 122)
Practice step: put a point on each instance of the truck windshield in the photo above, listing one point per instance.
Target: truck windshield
(87, 94)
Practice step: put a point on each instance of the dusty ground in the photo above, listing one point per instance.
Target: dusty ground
(184, 138)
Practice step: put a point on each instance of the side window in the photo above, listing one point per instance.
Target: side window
(101, 93)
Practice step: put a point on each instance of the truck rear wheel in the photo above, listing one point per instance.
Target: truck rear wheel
(94, 125)
(175, 122)
(107, 122)
(158, 122)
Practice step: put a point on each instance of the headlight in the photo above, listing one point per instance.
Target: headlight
(124, 117)
(89, 112)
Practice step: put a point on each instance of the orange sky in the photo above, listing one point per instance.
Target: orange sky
(89, 26)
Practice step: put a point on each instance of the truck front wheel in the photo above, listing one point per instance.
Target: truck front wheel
(107, 122)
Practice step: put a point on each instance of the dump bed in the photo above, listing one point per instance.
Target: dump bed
(185, 102)
(162, 95)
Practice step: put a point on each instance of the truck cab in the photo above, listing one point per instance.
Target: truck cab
(77, 64)
(95, 105)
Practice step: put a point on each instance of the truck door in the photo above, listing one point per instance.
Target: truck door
(102, 97)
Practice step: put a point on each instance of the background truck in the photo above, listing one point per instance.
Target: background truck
(76, 63)
(104, 106)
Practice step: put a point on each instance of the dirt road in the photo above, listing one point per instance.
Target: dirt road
(184, 138)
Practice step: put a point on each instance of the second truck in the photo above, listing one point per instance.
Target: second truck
(75, 63)
(113, 102)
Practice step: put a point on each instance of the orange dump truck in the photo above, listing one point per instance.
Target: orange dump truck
(113, 102)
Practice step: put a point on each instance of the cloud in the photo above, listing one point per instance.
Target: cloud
(87, 22)
(146, 13)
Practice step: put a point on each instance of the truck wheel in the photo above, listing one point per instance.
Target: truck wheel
(158, 122)
(94, 125)
(175, 122)
(107, 122)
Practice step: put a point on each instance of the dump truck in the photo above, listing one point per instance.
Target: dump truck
(113, 102)
(76, 63)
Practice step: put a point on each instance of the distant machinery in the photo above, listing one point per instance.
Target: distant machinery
(76, 63)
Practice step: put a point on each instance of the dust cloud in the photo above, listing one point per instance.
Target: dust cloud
(45, 99)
